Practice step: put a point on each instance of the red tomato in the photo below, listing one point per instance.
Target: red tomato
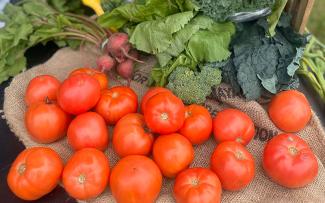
(116, 103)
(165, 113)
(135, 179)
(290, 111)
(233, 125)
(150, 93)
(88, 130)
(99, 76)
(197, 185)
(172, 153)
(40, 88)
(78, 94)
(86, 174)
(198, 124)
(35, 172)
(46, 122)
(130, 137)
(289, 161)
(233, 164)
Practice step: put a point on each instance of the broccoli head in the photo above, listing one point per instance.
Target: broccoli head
(193, 87)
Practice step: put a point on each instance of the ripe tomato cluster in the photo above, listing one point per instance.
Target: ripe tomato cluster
(82, 107)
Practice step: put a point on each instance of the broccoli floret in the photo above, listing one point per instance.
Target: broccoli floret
(193, 87)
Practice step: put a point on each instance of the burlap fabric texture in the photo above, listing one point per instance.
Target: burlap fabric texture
(260, 190)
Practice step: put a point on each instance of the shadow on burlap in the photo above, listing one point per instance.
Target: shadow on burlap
(260, 190)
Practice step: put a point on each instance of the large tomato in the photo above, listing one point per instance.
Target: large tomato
(197, 185)
(86, 174)
(88, 130)
(198, 124)
(135, 179)
(172, 153)
(233, 164)
(289, 161)
(46, 122)
(40, 88)
(130, 136)
(99, 76)
(35, 172)
(233, 125)
(116, 103)
(150, 93)
(290, 111)
(79, 93)
(164, 113)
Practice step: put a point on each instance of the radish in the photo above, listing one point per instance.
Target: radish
(125, 70)
(105, 63)
(119, 47)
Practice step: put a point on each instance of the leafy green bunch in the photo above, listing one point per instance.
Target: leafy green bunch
(31, 22)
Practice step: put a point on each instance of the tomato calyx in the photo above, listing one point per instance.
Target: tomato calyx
(164, 116)
(22, 169)
(293, 150)
(188, 114)
(239, 155)
(48, 100)
(195, 182)
(239, 140)
(82, 178)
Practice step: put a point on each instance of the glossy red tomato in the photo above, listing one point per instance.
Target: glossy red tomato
(198, 124)
(233, 125)
(165, 113)
(290, 111)
(150, 93)
(88, 130)
(79, 93)
(172, 153)
(130, 136)
(197, 185)
(116, 103)
(40, 88)
(99, 76)
(86, 174)
(35, 172)
(289, 161)
(135, 179)
(233, 164)
(46, 122)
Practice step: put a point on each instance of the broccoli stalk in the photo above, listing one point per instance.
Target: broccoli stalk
(193, 87)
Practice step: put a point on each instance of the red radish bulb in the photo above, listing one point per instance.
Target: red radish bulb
(105, 63)
(125, 69)
(118, 46)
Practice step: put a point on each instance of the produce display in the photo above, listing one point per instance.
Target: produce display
(154, 135)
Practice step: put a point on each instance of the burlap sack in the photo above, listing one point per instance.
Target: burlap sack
(260, 190)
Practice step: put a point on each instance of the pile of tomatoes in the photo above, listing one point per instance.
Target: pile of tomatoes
(154, 143)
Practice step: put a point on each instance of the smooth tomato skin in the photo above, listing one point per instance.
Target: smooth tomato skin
(289, 161)
(88, 130)
(150, 93)
(233, 125)
(197, 126)
(86, 174)
(130, 136)
(197, 185)
(99, 76)
(135, 179)
(164, 113)
(78, 94)
(46, 122)
(290, 111)
(40, 88)
(35, 172)
(116, 102)
(172, 153)
(233, 164)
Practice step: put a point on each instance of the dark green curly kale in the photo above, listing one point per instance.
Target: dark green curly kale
(219, 10)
